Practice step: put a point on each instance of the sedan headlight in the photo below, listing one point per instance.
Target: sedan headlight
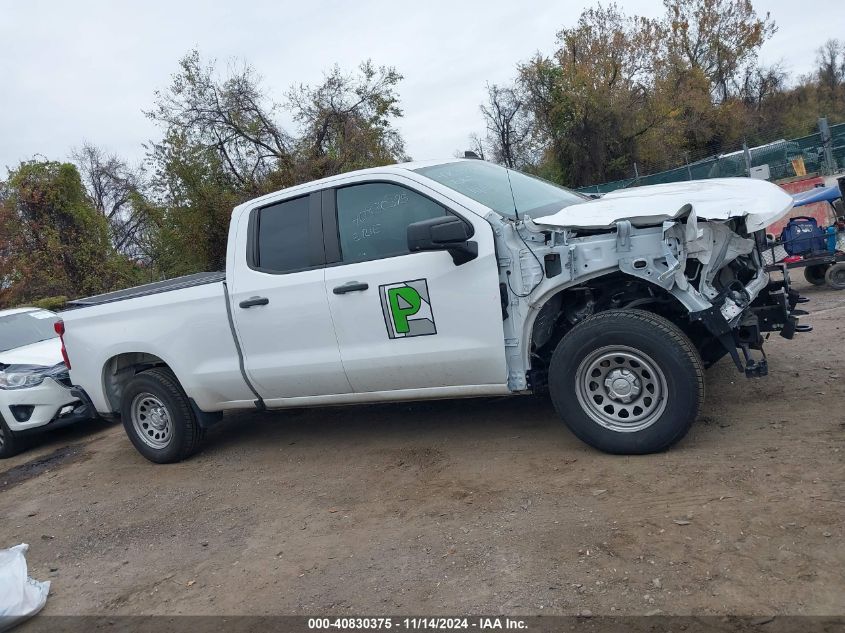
(26, 376)
(20, 381)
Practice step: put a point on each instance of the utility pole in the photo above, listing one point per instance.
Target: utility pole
(747, 154)
(824, 131)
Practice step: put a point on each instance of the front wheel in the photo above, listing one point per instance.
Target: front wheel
(158, 417)
(9, 444)
(627, 382)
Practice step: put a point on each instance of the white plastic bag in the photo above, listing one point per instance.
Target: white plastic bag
(21, 597)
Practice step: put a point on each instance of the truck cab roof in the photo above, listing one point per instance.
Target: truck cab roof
(401, 169)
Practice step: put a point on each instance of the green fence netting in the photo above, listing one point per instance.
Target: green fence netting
(779, 155)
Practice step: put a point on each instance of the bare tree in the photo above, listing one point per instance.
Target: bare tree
(830, 63)
(345, 121)
(115, 190)
(508, 126)
(476, 147)
(229, 115)
(759, 83)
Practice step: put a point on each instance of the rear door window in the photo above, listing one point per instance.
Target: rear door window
(285, 236)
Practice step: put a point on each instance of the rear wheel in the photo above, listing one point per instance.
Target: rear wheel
(9, 444)
(158, 417)
(627, 381)
(835, 276)
(815, 274)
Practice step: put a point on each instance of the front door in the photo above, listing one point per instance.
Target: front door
(410, 320)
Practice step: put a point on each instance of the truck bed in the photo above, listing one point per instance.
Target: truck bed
(177, 283)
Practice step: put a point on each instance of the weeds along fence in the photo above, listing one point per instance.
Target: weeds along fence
(821, 152)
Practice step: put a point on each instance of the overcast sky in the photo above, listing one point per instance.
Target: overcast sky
(85, 70)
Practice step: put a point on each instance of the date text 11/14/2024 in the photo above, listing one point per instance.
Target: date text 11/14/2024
(418, 623)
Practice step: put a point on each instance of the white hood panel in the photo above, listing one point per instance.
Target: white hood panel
(761, 202)
(46, 353)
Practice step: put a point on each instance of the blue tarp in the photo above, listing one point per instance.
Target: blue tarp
(817, 194)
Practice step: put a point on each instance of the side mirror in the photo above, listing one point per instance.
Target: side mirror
(445, 233)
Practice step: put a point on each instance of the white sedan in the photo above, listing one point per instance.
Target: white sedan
(35, 390)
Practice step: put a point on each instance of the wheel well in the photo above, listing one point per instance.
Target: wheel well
(120, 369)
(565, 309)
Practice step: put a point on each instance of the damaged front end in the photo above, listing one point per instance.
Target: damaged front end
(706, 254)
(716, 269)
(724, 265)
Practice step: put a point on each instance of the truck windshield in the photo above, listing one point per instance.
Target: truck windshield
(489, 184)
(26, 328)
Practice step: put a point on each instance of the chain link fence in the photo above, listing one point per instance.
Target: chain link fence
(774, 161)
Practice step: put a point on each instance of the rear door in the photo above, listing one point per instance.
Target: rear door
(409, 320)
(279, 304)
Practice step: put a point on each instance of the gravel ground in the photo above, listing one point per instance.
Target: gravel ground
(465, 507)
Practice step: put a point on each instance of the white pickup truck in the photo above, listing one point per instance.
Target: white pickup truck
(447, 279)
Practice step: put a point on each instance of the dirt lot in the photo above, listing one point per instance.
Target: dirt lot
(467, 507)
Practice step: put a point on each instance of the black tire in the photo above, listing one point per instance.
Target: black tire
(179, 435)
(646, 355)
(815, 274)
(835, 276)
(9, 444)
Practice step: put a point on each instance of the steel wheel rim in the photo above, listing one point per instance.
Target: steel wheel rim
(621, 388)
(838, 276)
(151, 420)
(2, 438)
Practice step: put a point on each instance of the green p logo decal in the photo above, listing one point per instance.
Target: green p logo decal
(404, 302)
(407, 309)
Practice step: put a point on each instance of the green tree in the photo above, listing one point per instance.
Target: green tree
(830, 74)
(346, 122)
(53, 241)
(595, 96)
(721, 38)
(223, 143)
(189, 225)
(622, 90)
